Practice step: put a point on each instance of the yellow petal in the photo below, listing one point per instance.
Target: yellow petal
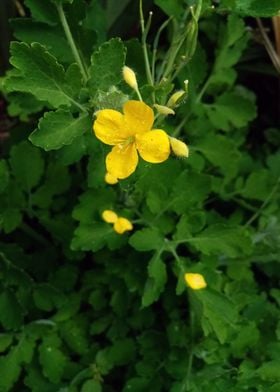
(109, 216)
(179, 148)
(153, 146)
(122, 161)
(108, 127)
(110, 179)
(122, 225)
(195, 281)
(138, 117)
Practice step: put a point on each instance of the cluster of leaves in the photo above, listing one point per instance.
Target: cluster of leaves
(85, 309)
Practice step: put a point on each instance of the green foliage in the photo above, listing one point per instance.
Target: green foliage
(83, 308)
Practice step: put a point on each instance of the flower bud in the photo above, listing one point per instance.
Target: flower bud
(110, 179)
(130, 77)
(195, 281)
(172, 102)
(164, 109)
(109, 216)
(179, 148)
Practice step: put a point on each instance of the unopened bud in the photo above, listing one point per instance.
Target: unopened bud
(130, 77)
(186, 83)
(109, 216)
(110, 179)
(164, 109)
(180, 149)
(172, 102)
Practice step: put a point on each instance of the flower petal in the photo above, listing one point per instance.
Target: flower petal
(110, 179)
(121, 225)
(108, 127)
(122, 161)
(153, 146)
(109, 216)
(138, 117)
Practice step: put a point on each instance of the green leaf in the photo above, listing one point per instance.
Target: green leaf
(4, 175)
(220, 239)
(171, 7)
(258, 8)
(43, 11)
(270, 371)
(51, 37)
(157, 278)
(221, 152)
(146, 239)
(233, 109)
(48, 82)
(5, 341)
(22, 105)
(9, 370)
(106, 65)
(91, 386)
(57, 129)
(52, 359)
(258, 185)
(11, 312)
(91, 236)
(27, 165)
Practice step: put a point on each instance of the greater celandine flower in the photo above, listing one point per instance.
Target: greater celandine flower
(131, 134)
(195, 281)
(120, 224)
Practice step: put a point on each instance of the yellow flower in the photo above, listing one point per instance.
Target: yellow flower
(120, 224)
(179, 148)
(110, 179)
(195, 281)
(130, 133)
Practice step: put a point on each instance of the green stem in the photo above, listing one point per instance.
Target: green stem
(71, 41)
(33, 234)
(144, 44)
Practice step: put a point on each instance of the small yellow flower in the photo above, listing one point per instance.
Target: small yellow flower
(130, 133)
(164, 109)
(179, 148)
(130, 77)
(121, 224)
(195, 281)
(110, 179)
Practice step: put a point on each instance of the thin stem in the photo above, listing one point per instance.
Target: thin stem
(156, 41)
(33, 234)
(138, 94)
(269, 47)
(71, 41)
(144, 44)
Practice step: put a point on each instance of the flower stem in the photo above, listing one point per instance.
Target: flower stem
(71, 41)
(144, 43)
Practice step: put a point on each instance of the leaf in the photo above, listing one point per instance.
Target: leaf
(11, 312)
(146, 239)
(219, 311)
(51, 37)
(258, 185)
(91, 236)
(258, 8)
(6, 340)
(48, 82)
(157, 278)
(9, 370)
(269, 371)
(106, 66)
(219, 239)
(234, 109)
(43, 11)
(4, 175)
(22, 105)
(221, 152)
(171, 7)
(59, 128)
(27, 165)
(52, 359)
(91, 386)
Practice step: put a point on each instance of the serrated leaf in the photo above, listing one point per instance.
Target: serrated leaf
(258, 185)
(91, 236)
(258, 8)
(58, 129)
(53, 361)
(231, 109)
(106, 66)
(222, 239)
(43, 11)
(27, 165)
(48, 82)
(22, 105)
(157, 278)
(146, 239)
